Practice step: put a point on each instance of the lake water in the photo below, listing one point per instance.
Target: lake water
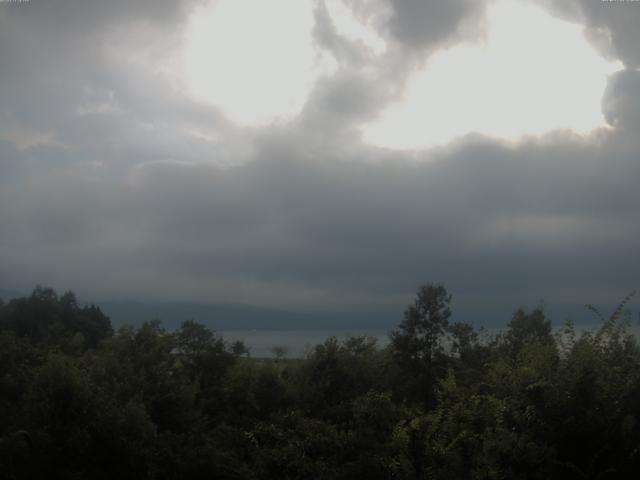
(297, 342)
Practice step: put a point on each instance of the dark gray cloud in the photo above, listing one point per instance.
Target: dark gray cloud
(88, 17)
(611, 25)
(306, 227)
(430, 24)
(620, 21)
(116, 185)
(86, 75)
(621, 101)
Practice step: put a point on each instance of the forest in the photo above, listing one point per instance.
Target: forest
(442, 400)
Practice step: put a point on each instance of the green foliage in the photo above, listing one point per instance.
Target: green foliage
(417, 344)
(337, 372)
(45, 317)
(526, 328)
(239, 348)
(419, 336)
(78, 400)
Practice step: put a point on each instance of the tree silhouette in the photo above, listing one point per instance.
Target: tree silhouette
(418, 339)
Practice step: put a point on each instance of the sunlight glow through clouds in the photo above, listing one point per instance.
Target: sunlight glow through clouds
(256, 60)
(535, 74)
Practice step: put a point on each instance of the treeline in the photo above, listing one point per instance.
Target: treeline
(78, 400)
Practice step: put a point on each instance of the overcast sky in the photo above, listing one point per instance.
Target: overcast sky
(321, 155)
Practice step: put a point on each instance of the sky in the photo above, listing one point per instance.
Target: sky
(322, 156)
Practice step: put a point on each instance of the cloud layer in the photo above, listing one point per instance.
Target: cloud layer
(116, 184)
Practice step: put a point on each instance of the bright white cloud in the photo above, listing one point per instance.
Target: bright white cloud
(534, 74)
(256, 60)
(348, 25)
